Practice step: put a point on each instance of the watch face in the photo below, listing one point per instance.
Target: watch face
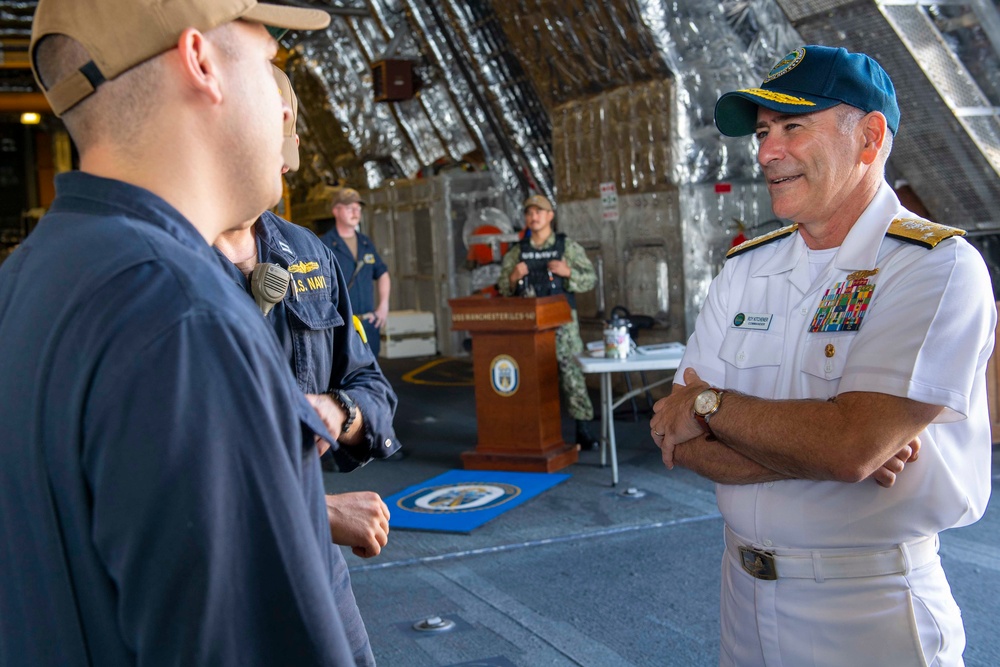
(705, 402)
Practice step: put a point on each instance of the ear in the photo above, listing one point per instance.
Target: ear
(873, 128)
(199, 64)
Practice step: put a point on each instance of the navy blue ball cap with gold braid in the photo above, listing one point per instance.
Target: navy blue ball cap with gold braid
(811, 78)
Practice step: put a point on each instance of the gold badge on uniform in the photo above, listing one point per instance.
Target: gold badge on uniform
(303, 267)
(309, 283)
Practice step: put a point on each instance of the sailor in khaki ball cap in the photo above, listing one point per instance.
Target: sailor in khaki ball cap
(368, 280)
(161, 495)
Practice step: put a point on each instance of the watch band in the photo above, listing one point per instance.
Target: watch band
(350, 407)
(704, 425)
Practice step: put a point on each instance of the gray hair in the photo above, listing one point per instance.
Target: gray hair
(848, 119)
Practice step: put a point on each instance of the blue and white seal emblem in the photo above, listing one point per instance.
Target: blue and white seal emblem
(786, 64)
(505, 375)
(465, 497)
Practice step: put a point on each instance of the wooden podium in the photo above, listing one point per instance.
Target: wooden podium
(517, 382)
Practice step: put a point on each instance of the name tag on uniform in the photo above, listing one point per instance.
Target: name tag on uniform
(753, 321)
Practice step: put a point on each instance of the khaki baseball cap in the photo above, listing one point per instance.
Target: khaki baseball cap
(289, 147)
(347, 196)
(120, 34)
(539, 201)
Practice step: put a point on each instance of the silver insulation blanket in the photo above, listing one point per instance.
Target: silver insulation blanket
(550, 95)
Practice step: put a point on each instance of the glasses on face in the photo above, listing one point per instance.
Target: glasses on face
(354, 208)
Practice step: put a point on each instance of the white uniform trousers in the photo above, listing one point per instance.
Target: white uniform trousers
(895, 620)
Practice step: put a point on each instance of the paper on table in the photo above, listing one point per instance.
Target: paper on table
(658, 348)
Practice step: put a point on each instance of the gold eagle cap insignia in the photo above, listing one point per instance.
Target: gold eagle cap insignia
(921, 232)
(758, 241)
(303, 267)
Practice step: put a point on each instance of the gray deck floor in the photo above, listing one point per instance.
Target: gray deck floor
(582, 574)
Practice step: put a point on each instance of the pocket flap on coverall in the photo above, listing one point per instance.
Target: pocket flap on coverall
(314, 315)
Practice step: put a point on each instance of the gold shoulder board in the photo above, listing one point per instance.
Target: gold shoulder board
(921, 232)
(758, 241)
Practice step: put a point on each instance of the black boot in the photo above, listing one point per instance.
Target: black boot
(586, 439)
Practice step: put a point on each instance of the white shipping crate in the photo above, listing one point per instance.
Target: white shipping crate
(408, 347)
(408, 333)
(403, 322)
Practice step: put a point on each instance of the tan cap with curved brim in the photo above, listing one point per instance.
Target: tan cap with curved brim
(538, 201)
(347, 196)
(120, 34)
(289, 146)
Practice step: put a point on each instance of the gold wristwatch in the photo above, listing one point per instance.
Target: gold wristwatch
(707, 404)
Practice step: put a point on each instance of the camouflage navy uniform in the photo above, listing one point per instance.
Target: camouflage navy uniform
(568, 343)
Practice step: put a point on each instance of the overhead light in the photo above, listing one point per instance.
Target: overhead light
(30, 118)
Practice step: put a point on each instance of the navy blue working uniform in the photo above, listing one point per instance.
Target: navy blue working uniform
(361, 274)
(325, 353)
(161, 500)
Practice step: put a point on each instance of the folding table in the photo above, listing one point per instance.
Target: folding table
(659, 357)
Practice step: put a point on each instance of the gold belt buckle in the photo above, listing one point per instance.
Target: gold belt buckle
(758, 564)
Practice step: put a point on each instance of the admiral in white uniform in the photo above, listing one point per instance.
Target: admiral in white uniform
(825, 355)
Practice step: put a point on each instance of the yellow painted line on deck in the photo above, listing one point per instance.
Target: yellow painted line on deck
(412, 378)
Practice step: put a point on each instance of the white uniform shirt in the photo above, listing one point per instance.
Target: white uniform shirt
(927, 335)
